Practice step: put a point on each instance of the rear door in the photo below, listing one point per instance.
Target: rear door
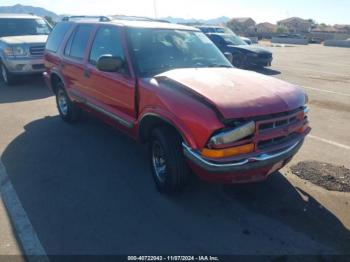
(73, 62)
(113, 92)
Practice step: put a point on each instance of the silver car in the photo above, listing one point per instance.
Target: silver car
(22, 45)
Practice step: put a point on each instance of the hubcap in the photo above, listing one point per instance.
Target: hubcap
(158, 161)
(62, 102)
(4, 73)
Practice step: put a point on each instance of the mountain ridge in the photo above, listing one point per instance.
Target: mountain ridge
(39, 11)
(27, 9)
(212, 21)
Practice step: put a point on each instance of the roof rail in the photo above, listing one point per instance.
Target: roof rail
(136, 18)
(82, 17)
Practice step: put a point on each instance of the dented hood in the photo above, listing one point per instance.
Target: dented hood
(237, 93)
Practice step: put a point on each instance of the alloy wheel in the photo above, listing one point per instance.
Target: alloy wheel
(158, 161)
(62, 102)
(4, 73)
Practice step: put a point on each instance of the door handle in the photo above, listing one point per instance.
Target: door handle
(87, 73)
(62, 64)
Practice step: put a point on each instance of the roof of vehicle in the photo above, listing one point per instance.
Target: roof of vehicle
(219, 34)
(140, 24)
(210, 26)
(153, 24)
(19, 16)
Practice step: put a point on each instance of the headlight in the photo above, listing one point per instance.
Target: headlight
(306, 99)
(19, 51)
(306, 108)
(306, 112)
(8, 51)
(16, 51)
(233, 135)
(252, 54)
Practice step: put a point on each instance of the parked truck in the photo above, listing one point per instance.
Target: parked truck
(22, 45)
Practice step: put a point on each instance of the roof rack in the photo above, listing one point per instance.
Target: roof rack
(136, 18)
(113, 17)
(82, 17)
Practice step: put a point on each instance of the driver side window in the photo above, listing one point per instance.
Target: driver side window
(107, 42)
(217, 40)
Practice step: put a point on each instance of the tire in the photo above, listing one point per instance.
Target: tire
(6, 76)
(238, 62)
(68, 110)
(165, 151)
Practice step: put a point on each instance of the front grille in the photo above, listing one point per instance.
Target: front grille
(38, 66)
(277, 141)
(279, 130)
(265, 56)
(277, 123)
(274, 131)
(37, 50)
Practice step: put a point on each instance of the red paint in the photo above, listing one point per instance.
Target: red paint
(235, 94)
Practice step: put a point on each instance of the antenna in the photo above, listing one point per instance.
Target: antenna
(155, 9)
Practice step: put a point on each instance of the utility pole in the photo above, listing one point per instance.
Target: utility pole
(155, 8)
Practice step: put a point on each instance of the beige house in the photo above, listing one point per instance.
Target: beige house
(296, 25)
(343, 28)
(245, 21)
(327, 32)
(241, 25)
(265, 28)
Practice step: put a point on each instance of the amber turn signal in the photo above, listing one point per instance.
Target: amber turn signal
(303, 129)
(228, 152)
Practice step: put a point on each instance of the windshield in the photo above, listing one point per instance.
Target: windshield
(18, 27)
(221, 30)
(233, 40)
(160, 50)
(224, 30)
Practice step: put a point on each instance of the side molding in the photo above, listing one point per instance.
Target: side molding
(120, 120)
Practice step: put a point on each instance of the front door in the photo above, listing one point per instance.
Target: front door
(113, 92)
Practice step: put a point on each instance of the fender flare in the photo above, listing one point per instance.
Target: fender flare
(55, 72)
(152, 118)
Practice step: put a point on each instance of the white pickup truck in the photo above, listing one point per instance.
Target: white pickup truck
(22, 45)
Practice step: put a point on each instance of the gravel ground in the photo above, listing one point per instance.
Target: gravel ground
(328, 176)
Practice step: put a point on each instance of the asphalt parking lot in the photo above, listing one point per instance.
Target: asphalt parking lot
(87, 189)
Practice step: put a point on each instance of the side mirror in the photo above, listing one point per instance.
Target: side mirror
(109, 63)
(229, 56)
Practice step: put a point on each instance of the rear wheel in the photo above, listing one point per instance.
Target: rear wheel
(169, 168)
(238, 62)
(6, 76)
(68, 110)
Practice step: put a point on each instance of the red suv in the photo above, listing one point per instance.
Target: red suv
(170, 86)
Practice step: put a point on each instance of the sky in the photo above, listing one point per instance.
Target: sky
(323, 11)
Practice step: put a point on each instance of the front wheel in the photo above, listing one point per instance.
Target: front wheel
(238, 62)
(169, 168)
(6, 76)
(69, 111)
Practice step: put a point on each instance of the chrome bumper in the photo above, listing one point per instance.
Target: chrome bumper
(24, 65)
(251, 163)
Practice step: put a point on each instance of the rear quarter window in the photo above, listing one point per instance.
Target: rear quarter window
(56, 37)
(78, 42)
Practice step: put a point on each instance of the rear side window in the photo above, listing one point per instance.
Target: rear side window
(107, 42)
(78, 42)
(56, 36)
